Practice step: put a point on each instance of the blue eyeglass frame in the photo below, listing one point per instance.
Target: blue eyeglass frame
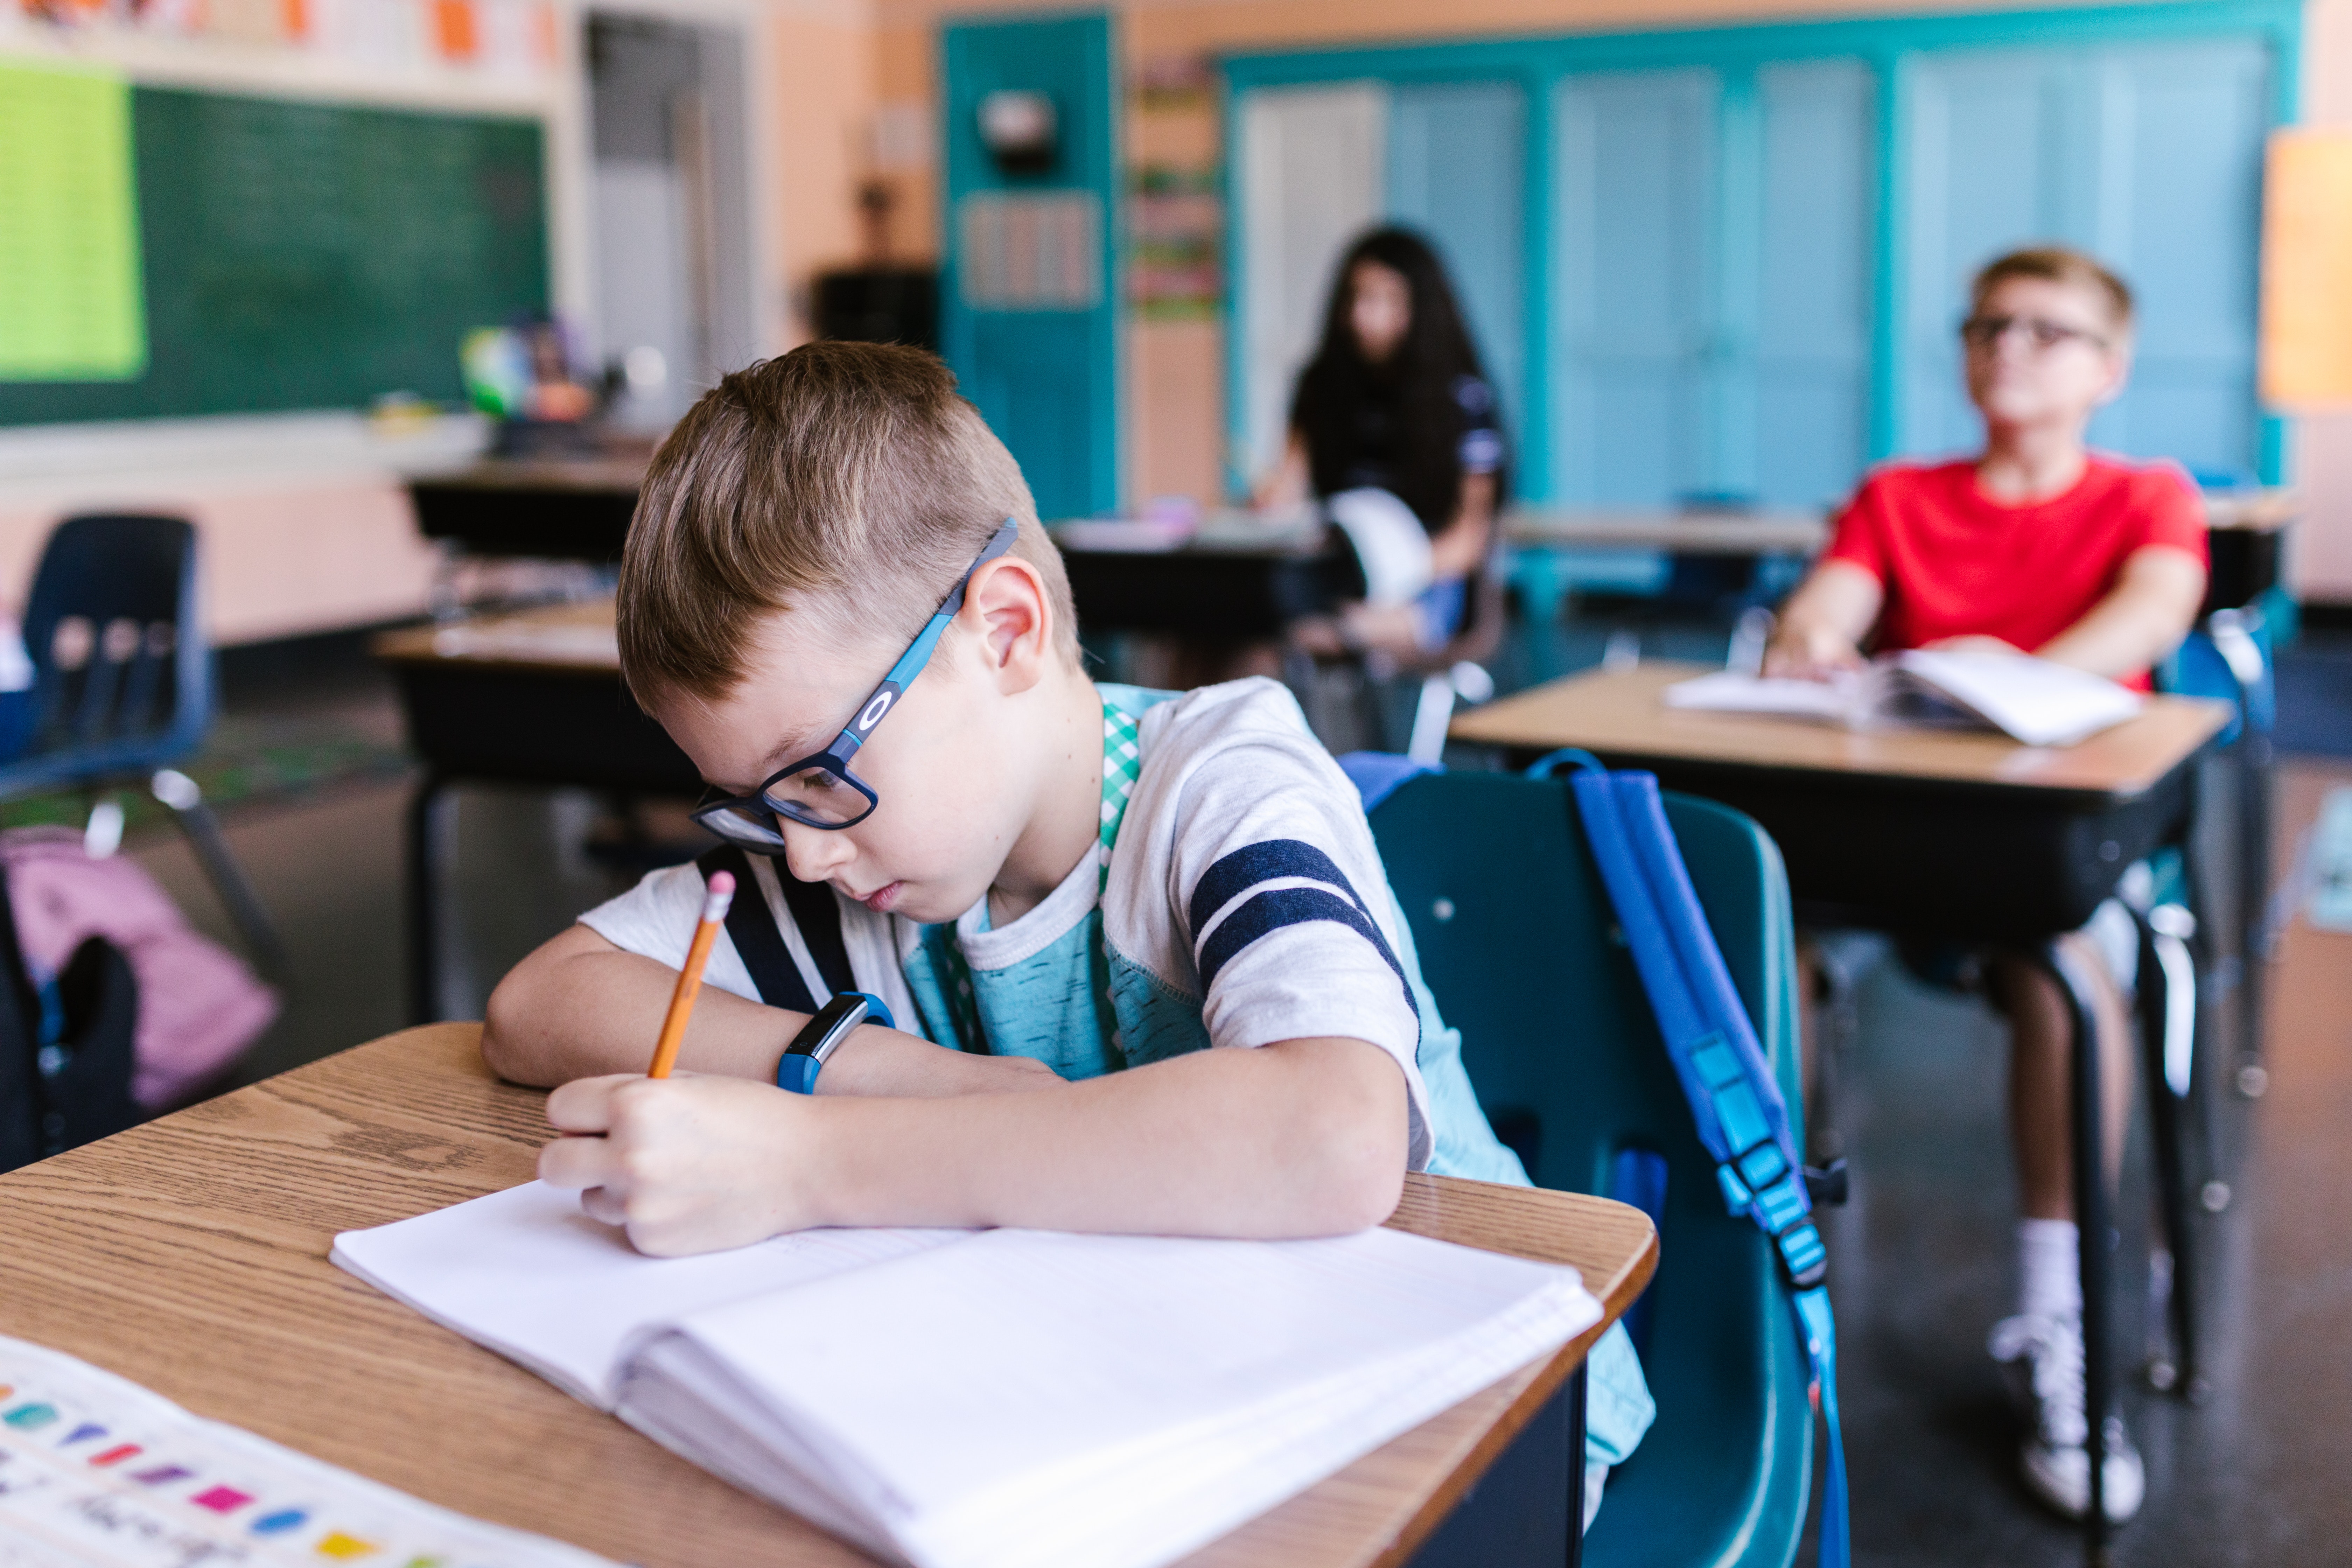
(835, 758)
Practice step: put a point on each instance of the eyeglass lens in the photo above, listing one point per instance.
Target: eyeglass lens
(818, 797)
(1987, 332)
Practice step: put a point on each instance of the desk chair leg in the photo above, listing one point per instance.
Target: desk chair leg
(2168, 1011)
(179, 792)
(2256, 940)
(2090, 1218)
(426, 815)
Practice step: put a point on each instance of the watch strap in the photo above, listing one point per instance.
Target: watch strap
(822, 1033)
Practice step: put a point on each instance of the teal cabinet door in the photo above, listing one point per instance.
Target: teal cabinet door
(1457, 160)
(2148, 155)
(1634, 319)
(1814, 297)
(1030, 295)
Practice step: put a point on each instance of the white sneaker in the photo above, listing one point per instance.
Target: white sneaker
(2045, 1357)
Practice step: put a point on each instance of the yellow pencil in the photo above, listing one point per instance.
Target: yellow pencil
(689, 979)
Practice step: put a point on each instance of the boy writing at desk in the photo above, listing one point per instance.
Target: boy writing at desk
(1066, 894)
(2037, 545)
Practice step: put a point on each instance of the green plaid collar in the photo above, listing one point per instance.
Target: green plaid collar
(1122, 765)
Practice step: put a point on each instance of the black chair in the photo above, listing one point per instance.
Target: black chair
(122, 687)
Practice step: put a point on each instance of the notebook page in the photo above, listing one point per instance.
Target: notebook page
(1726, 691)
(525, 1273)
(972, 1391)
(2032, 699)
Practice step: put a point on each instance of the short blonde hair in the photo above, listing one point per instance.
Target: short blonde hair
(2056, 264)
(845, 482)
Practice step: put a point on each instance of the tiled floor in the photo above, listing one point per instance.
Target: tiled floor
(2261, 1475)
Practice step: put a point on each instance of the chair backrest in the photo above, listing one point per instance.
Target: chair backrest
(1518, 942)
(122, 675)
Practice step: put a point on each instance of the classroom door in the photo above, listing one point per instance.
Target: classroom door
(1029, 317)
(2149, 156)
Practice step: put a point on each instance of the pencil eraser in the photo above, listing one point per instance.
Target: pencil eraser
(721, 893)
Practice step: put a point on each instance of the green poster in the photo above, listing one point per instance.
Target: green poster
(71, 306)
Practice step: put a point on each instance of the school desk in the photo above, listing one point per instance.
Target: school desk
(1221, 588)
(564, 509)
(2245, 534)
(190, 1255)
(530, 698)
(1951, 835)
(1677, 532)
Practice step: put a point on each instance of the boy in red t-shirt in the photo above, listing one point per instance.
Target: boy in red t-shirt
(2041, 545)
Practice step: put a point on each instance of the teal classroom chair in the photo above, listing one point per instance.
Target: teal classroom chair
(1517, 941)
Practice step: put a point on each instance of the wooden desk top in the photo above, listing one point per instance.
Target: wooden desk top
(1761, 534)
(569, 639)
(1620, 715)
(190, 1255)
(605, 474)
(2253, 512)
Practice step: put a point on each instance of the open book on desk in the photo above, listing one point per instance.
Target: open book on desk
(986, 1399)
(2029, 700)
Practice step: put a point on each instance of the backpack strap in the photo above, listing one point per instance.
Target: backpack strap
(1734, 1097)
(752, 928)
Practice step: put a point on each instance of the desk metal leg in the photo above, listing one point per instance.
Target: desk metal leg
(2169, 1008)
(2256, 936)
(426, 810)
(1576, 1389)
(2090, 1218)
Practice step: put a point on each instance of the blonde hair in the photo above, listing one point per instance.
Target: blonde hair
(844, 482)
(2056, 264)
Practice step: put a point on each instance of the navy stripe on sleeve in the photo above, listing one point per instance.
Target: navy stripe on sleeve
(1251, 863)
(1261, 913)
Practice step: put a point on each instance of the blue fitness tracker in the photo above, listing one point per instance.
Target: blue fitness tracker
(822, 1034)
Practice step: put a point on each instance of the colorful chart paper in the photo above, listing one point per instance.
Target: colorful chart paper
(96, 1472)
(72, 307)
(2306, 360)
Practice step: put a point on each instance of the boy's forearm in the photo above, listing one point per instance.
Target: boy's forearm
(2151, 608)
(580, 1007)
(1305, 1138)
(572, 1011)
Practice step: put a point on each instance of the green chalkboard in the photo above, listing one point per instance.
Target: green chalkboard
(314, 256)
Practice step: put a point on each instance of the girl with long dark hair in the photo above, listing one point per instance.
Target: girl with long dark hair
(1394, 400)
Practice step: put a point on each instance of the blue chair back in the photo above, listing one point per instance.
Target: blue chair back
(123, 676)
(1518, 941)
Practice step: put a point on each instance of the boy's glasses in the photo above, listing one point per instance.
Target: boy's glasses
(1984, 333)
(820, 791)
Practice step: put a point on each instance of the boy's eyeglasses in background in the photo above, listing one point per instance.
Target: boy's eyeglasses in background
(820, 791)
(1983, 334)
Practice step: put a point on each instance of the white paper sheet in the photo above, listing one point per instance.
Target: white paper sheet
(98, 1472)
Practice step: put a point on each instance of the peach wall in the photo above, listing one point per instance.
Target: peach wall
(280, 559)
(825, 91)
(2320, 556)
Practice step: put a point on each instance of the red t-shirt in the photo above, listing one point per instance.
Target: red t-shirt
(1955, 563)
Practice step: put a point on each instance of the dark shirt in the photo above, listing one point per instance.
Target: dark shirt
(1373, 456)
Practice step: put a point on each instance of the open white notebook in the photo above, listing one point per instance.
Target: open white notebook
(971, 1399)
(2027, 699)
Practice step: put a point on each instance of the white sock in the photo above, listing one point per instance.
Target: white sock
(2049, 1268)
